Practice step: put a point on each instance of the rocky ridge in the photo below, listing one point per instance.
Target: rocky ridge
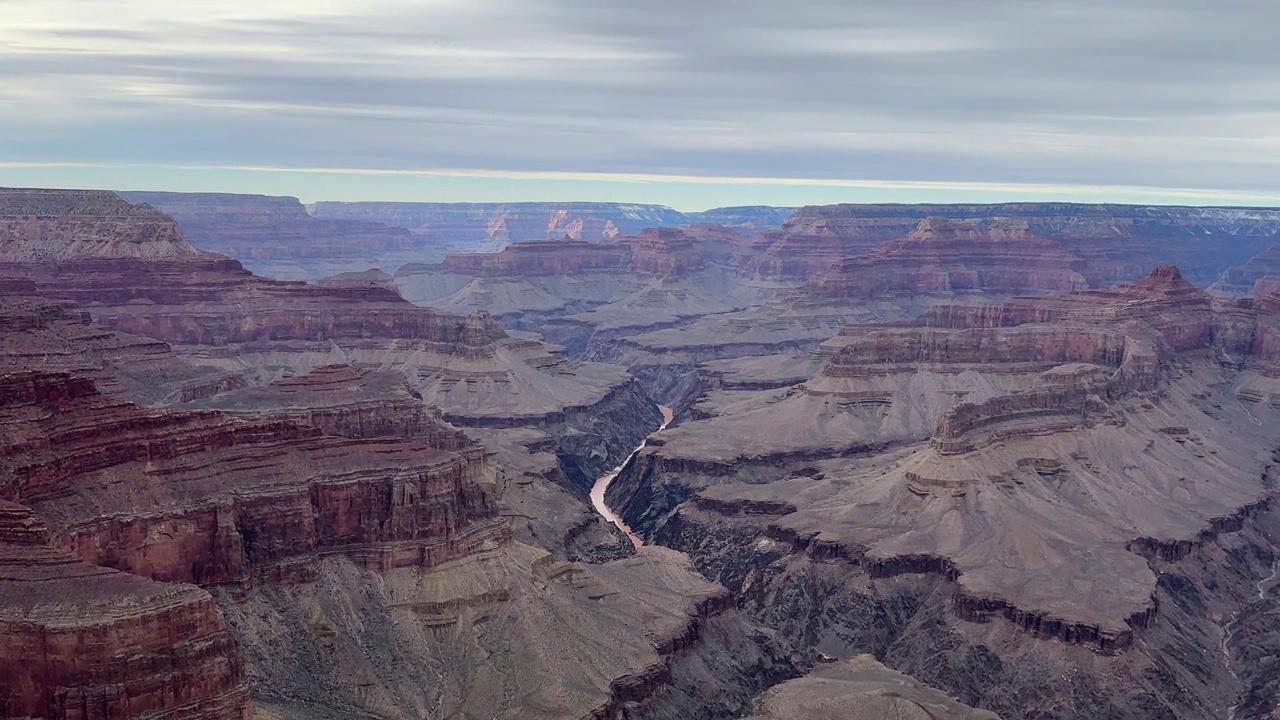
(487, 227)
(276, 237)
(859, 689)
(88, 641)
(974, 447)
(55, 225)
(1115, 243)
(275, 485)
(1046, 506)
(1260, 275)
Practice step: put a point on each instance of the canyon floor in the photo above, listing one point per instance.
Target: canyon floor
(607, 461)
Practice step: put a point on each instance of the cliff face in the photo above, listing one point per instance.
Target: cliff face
(85, 641)
(970, 468)
(1253, 277)
(35, 332)
(244, 331)
(70, 449)
(655, 251)
(304, 494)
(58, 225)
(481, 227)
(939, 256)
(276, 236)
(524, 259)
(320, 502)
(1113, 243)
(666, 252)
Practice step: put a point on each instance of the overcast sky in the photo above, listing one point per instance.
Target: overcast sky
(690, 103)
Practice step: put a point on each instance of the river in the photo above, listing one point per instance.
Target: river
(602, 483)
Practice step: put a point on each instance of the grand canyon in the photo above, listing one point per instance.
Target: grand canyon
(262, 459)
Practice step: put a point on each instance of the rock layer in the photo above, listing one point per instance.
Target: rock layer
(275, 236)
(86, 641)
(57, 225)
(998, 449)
(1114, 243)
(860, 689)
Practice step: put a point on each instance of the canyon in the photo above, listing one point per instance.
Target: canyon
(608, 461)
(279, 237)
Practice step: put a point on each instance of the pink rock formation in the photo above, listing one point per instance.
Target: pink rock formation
(85, 641)
(54, 225)
(1112, 243)
(278, 238)
(940, 256)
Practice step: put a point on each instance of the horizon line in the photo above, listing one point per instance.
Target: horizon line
(1249, 198)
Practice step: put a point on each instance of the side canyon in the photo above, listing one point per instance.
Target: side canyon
(603, 461)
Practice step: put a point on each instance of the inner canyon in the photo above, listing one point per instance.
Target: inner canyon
(604, 461)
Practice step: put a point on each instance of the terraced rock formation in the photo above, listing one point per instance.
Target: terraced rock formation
(998, 256)
(1004, 480)
(859, 689)
(350, 538)
(897, 281)
(290, 529)
(276, 237)
(88, 641)
(1260, 276)
(324, 501)
(56, 225)
(1116, 243)
(217, 315)
(488, 227)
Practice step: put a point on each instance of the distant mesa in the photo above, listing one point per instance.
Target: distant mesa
(928, 461)
(59, 225)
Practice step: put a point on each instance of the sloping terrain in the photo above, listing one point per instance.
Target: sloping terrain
(1020, 475)
(928, 462)
(304, 538)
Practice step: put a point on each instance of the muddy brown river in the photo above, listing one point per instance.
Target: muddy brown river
(602, 483)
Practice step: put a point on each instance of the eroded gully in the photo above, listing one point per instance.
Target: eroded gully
(602, 483)
(1230, 628)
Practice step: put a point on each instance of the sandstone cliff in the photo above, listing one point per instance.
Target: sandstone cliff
(275, 236)
(998, 256)
(488, 227)
(1246, 279)
(979, 461)
(860, 689)
(59, 225)
(86, 641)
(1114, 243)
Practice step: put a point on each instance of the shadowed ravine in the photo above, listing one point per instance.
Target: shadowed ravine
(602, 483)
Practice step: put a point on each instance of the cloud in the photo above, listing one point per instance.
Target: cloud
(1136, 93)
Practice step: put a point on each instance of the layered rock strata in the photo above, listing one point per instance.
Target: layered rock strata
(302, 494)
(306, 481)
(488, 227)
(860, 689)
(654, 278)
(86, 641)
(212, 499)
(56, 225)
(938, 256)
(1113, 243)
(1009, 470)
(276, 237)
(1251, 278)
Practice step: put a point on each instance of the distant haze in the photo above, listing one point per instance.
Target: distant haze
(687, 104)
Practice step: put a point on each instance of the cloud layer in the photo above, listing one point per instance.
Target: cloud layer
(1154, 93)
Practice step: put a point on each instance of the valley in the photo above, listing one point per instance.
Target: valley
(594, 460)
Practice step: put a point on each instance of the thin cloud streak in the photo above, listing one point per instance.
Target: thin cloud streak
(993, 93)
(1157, 194)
